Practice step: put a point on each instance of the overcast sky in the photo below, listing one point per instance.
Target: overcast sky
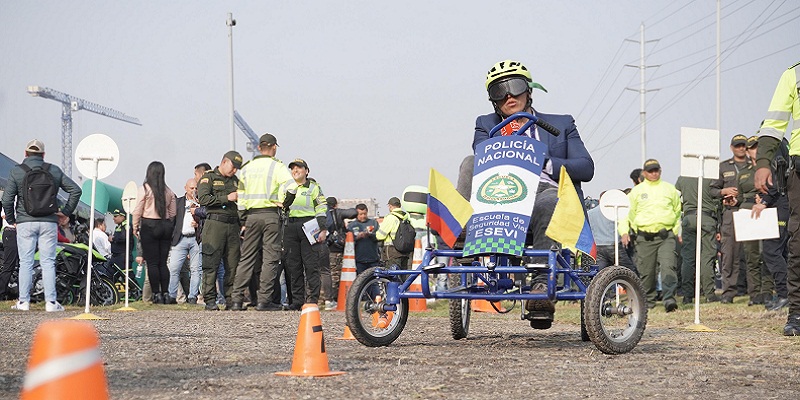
(373, 94)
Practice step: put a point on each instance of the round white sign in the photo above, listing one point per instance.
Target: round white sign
(613, 200)
(100, 149)
(129, 196)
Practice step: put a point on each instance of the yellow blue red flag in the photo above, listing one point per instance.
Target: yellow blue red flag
(448, 211)
(569, 225)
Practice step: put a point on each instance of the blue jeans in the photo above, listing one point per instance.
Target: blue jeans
(177, 256)
(29, 234)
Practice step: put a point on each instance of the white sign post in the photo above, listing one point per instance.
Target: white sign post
(129, 199)
(90, 152)
(700, 158)
(614, 205)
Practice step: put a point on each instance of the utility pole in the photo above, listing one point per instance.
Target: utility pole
(230, 22)
(642, 90)
(719, 95)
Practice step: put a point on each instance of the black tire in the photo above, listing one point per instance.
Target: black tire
(615, 323)
(460, 310)
(362, 312)
(103, 293)
(584, 334)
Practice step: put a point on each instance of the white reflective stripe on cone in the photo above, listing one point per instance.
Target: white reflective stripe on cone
(61, 367)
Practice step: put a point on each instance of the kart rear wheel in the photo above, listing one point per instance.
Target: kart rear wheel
(366, 319)
(615, 312)
(460, 310)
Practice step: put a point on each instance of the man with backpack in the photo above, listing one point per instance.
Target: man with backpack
(34, 186)
(397, 235)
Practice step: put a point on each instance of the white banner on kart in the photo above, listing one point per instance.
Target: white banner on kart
(504, 182)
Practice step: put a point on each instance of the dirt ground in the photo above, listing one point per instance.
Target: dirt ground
(164, 353)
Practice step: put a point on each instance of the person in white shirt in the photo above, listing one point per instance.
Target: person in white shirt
(101, 240)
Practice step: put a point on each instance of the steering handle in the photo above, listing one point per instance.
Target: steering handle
(531, 120)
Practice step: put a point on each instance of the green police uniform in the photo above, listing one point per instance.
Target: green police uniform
(260, 192)
(654, 216)
(708, 250)
(220, 231)
(759, 280)
(729, 247)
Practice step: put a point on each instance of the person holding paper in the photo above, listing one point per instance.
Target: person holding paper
(774, 251)
(785, 104)
(759, 281)
(301, 255)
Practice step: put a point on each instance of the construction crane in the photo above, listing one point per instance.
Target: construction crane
(252, 144)
(68, 105)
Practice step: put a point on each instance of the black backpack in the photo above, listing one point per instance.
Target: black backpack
(405, 237)
(41, 191)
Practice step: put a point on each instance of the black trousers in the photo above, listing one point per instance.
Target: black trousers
(156, 238)
(302, 264)
(793, 277)
(10, 261)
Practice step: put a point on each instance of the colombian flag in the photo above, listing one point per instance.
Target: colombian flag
(569, 225)
(448, 211)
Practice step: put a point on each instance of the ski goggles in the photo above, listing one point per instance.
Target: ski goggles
(514, 86)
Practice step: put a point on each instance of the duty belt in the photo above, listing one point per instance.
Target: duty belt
(650, 236)
(228, 219)
(694, 212)
(300, 219)
(263, 210)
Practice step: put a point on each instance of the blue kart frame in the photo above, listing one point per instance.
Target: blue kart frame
(613, 306)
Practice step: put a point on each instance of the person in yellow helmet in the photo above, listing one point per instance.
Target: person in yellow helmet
(785, 104)
(509, 85)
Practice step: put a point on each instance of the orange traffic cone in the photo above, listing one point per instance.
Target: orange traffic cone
(416, 286)
(65, 363)
(485, 305)
(310, 358)
(347, 335)
(348, 271)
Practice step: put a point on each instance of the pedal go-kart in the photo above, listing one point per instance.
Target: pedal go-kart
(612, 301)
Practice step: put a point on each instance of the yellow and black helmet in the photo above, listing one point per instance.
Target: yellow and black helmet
(509, 68)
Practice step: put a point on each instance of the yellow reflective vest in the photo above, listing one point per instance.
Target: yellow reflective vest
(309, 202)
(654, 206)
(388, 228)
(261, 183)
(785, 103)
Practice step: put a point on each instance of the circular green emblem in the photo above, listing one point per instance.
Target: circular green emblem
(502, 189)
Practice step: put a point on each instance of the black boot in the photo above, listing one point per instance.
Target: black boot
(792, 327)
(168, 299)
(157, 299)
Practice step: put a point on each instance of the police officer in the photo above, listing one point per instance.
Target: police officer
(118, 239)
(726, 188)
(217, 192)
(774, 251)
(261, 202)
(785, 104)
(759, 281)
(708, 250)
(654, 216)
(302, 257)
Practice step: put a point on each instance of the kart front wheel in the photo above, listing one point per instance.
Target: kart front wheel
(369, 323)
(615, 310)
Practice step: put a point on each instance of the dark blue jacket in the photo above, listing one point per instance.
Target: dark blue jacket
(14, 190)
(566, 149)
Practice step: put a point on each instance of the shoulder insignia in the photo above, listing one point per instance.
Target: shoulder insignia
(204, 180)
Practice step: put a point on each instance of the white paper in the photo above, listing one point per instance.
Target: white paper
(311, 229)
(747, 228)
